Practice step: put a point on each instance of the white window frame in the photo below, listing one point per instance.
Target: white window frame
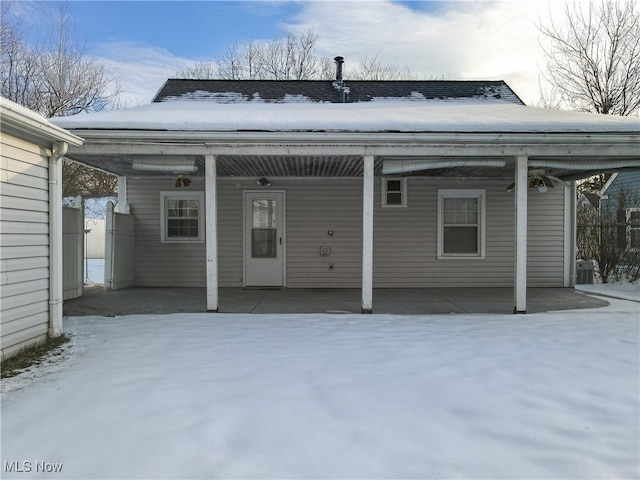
(630, 227)
(164, 196)
(480, 195)
(403, 192)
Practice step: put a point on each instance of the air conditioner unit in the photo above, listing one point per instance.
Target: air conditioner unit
(584, 272)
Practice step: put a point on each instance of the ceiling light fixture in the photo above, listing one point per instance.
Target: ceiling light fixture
(171, 164)
(538, 179)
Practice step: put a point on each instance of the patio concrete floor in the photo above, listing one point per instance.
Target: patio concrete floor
(414, 301)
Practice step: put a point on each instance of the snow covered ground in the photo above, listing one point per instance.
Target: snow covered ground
(553, 395)
(624, 290)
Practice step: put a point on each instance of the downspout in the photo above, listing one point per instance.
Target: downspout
(55, 239)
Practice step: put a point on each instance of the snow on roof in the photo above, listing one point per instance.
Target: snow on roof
(465, 116)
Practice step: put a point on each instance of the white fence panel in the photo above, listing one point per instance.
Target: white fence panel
(72, 252)
(118, 266)
(95, 229)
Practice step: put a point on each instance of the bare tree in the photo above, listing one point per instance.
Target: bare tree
(78, 179)
(593, 57)
(19, 64)
(603, 237)
(55, 78)
(372, 68)
(305, 61)
(230, 66)
(290, 58)
(199, 70)
(253, 68)
(593, 184)
(277, 58)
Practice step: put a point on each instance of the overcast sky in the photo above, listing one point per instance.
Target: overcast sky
(144, 43)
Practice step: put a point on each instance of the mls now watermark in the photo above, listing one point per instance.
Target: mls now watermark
(29, 466)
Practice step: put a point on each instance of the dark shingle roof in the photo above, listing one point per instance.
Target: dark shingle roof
(291, 91)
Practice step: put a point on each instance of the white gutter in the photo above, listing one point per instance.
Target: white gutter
(55, 239)
(20, 121)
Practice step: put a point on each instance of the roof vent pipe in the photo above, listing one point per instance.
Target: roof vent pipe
(339, 62)
(338, 84)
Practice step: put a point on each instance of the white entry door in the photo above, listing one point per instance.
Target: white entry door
(264, 239)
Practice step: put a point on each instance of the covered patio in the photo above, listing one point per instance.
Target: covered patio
(414, 301)
(279, 175)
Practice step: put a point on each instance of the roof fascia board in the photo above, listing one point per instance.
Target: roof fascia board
(409, 149)
(21, 122)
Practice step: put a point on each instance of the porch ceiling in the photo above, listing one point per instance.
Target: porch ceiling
(333, 166)
(241, 165)
(282, 166)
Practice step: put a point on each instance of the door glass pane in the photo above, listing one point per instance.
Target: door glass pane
(263, 242)
(264, 213)
(264, 233)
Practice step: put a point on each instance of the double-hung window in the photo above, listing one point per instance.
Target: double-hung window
(182, 217)
(461, 218)
(394, 192)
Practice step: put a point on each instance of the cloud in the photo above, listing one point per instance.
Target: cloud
(140, 68)
(455, 40)
(458, 40)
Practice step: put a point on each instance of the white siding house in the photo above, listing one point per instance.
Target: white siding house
(30, 226)
(310, 184)
(404, 238)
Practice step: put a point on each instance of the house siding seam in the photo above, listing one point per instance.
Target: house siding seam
(24, 222)
(404, 238)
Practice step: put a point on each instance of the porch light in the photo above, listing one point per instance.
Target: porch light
(182, 181)
(171, 164)
(263, 182)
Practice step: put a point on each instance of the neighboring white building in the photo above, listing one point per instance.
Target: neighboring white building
(30, 226)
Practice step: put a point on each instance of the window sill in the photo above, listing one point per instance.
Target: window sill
(461, 257)
(182, 240)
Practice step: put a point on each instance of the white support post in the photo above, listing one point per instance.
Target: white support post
(123, 204)
(211, 232)
(573, 235)
(109, 260)
(367, 235)
(520, 276)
